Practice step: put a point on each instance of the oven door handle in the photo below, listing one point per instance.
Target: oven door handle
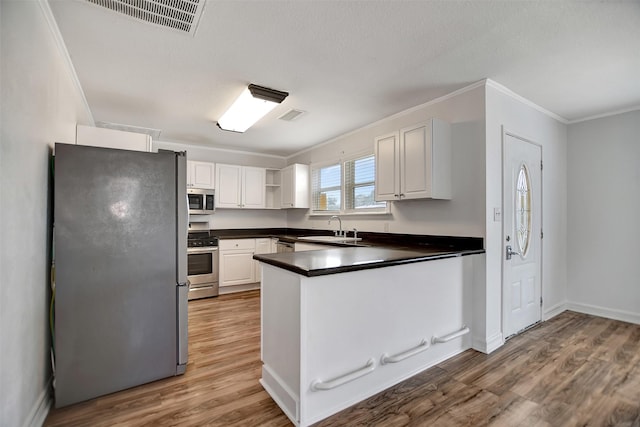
(201, 250)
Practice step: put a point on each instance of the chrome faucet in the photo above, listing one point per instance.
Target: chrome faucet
(338, 233)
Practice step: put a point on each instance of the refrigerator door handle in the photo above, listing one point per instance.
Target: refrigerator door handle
(182, 213)
(182, 291)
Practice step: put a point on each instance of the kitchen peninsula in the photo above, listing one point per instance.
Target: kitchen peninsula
(341, 324)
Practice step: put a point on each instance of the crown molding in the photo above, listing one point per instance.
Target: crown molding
(225, 150)
(62, 48)
(603, 115)
(506, 91)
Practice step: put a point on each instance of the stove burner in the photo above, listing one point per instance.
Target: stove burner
(201, 239)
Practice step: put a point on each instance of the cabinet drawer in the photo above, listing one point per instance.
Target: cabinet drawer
(224, 244)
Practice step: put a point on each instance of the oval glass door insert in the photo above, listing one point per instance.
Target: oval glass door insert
(523, 210)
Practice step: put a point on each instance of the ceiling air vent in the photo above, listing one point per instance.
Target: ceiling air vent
(291, 115)
(181, 15)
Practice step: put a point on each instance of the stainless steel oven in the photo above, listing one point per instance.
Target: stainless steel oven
(202, 268)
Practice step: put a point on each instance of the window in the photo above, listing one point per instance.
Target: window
(326, 188)
(360, 185)
(345, 187)
(523, 210)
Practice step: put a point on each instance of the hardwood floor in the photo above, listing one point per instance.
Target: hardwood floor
(573, 370)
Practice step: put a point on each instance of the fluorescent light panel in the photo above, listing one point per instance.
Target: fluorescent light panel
(253, 104)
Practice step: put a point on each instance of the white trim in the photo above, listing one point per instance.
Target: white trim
(603, 115)
(226, 150)
(553, 311)
(488, 345)
(610, 313)
(510, 93)
(40, 408)
(393, 116)
(62, 48)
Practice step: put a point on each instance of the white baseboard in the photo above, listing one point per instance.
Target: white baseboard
(610, 313)
(488, 346)
(41, 408)
(553, 311)
(223, 290)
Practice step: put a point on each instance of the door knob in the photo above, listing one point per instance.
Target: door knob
(509, 252)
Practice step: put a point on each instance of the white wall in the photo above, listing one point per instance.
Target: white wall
(461, 216)
(604, 217)
(233, 218)
(40, 105)
(520, 117)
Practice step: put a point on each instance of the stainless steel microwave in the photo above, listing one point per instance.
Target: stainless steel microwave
(201, 201)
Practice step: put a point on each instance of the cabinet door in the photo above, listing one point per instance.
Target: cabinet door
(415, 161)
(263, 246)
(228, 186)
(387, 149)
(202, 174)
(236, 267)
(112, 138)
(287, 186)
(253, 187)
(295, 186)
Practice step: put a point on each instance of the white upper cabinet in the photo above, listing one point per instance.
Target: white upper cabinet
(240, 187)
(200, 174)
(111, 138)
(295, 186)
(415, 162)
(253, 187)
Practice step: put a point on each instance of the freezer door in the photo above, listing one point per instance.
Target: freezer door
(182, 215)
(115, 236)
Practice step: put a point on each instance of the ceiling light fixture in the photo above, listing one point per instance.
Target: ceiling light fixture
(253, 104)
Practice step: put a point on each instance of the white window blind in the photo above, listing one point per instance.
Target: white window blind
(359, 185)
(326, 188)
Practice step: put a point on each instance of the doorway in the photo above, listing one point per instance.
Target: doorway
(521, 233)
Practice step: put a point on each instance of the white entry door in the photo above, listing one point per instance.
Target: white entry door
(522, 234)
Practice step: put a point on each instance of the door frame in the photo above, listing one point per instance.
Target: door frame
(506, 133)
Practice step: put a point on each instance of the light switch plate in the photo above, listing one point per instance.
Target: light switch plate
(497, 214)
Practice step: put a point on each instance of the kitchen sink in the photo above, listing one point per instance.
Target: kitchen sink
(337, 239)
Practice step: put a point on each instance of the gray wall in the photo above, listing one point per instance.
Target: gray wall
(40, 105)
(604, 217)
(461, 216)
(507, 111)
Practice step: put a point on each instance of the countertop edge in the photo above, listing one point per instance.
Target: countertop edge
(365, 266)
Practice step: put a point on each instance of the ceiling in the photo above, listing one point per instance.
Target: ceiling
(347, 63)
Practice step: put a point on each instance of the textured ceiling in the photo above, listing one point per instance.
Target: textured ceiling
(347, 63)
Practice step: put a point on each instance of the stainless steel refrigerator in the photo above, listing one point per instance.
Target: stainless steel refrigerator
(120, 226)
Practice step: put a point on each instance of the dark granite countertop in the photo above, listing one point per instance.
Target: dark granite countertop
(375, 250)
(344, 259)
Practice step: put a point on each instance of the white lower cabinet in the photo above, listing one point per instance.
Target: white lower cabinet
(236, 263)
(263, 246)
(237, 266)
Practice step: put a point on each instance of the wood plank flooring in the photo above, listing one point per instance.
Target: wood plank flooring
(573, 370)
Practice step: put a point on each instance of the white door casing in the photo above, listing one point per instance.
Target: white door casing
(522, 234)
